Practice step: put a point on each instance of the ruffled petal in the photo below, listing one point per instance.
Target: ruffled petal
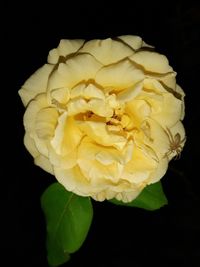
(36, 84)
(67, 135)
(139, 169)
(107, 51)
(171, 111)
(80, 68)
(64, 162)
(119, 76)
(45, 122)
(159, 171)
(44, 163)
(73, 180)
(39, 160)
(97, 131)
(65, 48)
(133, 41)
(153, 136)
(152, 61)
(30, 145)
(34, 107)
(87, 92)
(129, 93)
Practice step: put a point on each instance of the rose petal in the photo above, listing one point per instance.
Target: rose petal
(72, 72)
(39, 159)
(65, 162)
(170, 112)
(104, 155)
(98, 132)
(119, 76)
(45, 122)
(39, 103)
(36, 84)
(152, 61)
(67, 135)
(133, 41)
(65, 48)
(30, 145)
(87, 92)
(157, 138)
(129, 93)
(138, 170)
(159, 171)
(44, 163)
(73, 180)
(107, 51)
(61, 95)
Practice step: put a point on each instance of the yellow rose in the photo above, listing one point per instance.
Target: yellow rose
(104, 116)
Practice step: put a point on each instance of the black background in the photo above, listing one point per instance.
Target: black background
(118, 236)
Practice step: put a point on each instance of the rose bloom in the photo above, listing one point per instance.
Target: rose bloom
(104, 116)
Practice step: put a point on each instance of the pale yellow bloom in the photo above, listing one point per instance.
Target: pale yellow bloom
(104, 116)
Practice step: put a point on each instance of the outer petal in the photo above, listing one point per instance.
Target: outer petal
(159, 171)
(63, 162)
(119, 76)
(138, 170)
(152, 61)
(73, 180)
(153, 136)
(36, 84)
(80, 68)
(170, 112)
(35, 106)
(133, 41)
(107, 51)
(65, 48)
(44, 163)
(180, 91)
(30, 145)
(39, 160)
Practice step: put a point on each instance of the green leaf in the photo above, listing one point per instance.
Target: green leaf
(68, 219)
(151, 198)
